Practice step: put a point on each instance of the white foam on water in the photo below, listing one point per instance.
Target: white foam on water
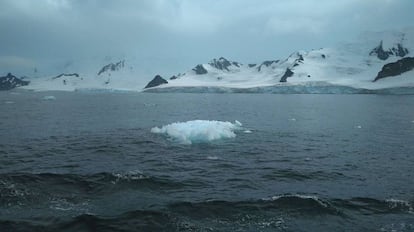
(49, 98)
(396, 203)
(311, 197)
(213, 157)
(9, 102)
(129, 176)
(199, 131)
(247, 132)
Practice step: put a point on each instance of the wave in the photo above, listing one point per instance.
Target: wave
(270, 214)
(130, 221)
(23, 189)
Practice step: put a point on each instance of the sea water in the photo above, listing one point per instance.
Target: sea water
(181, 162)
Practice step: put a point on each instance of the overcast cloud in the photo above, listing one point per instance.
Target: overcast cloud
(169, 36)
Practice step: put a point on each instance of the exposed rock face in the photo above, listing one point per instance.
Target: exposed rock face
(200, 70)
(173, 77)
(379, 51)
(158, 80)
(266, 63)
(396, 68)
(66, 75)
(251, 65)
(299, 60)
(236, 64)
(288, 73)
(221, 64)
(112, 67)
(10, 82)
(400, 51)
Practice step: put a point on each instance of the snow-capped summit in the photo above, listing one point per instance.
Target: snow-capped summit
(223, 64)
(112, 67)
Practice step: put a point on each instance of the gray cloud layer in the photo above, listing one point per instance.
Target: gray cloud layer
(166, 36)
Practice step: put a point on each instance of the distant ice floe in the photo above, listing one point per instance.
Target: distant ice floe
(199, 131)
(49, 98)
(9, 102)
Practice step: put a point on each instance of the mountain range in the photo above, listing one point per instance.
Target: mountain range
(375, 62)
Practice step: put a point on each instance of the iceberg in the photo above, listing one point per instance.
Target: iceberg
(199, 131)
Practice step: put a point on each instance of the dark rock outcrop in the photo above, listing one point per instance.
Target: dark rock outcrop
(400, 50)
(252, 65)
(112, 67)
(298, 60)
(221, 64)
(236, 64)
(66, 75)
(382, 54)
(10, 82)
(267, 63)
(200, 70)
(173, 77)
(158, 80)
(396, 68)
(288, 73)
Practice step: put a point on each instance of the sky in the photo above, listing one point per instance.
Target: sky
(170, 36)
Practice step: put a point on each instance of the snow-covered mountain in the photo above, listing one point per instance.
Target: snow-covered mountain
(117, 75)
(353, 67)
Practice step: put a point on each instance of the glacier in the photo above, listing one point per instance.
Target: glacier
(198, 131)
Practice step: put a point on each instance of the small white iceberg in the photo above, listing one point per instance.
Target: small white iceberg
(199, 131)
(49, 98)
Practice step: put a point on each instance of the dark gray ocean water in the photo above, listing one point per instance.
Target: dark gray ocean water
(89, 162)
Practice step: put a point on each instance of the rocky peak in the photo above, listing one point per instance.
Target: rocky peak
(158, 80)
(112, 67)
(10, 82)
(266, 63)
(398, 50)
(221, 64)
(199, 69)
